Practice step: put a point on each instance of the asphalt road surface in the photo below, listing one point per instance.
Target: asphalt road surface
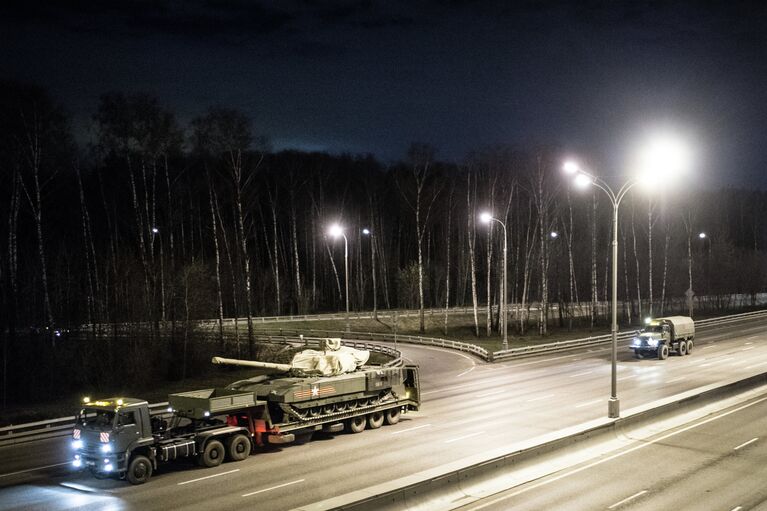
(468, 407)
(714, 463)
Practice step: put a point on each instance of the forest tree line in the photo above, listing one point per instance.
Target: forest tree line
(157, 221)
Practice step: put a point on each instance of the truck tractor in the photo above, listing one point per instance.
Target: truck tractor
(663, 335)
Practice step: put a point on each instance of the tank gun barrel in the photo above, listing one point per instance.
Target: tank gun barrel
(281, 368)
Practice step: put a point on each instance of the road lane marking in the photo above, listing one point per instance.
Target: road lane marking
(676, 379)
(706, 347)
(466, 372)
(588, 403)
(580, 374)
(208, 477)
(79, 487)
(493, 393)
(726, 359)
(463, 437)
(746, 443)
(749, 348)
(410, 429)
(451, 387)
(36, 468)
(737, 508)
(601, 461)
(617, 504)
(627, 377)
(547, 396)
(274, 487)
(756, 365)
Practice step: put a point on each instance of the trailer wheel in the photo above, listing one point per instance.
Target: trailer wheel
(682, 349)
(139, 470)
(375, 420)
(238, 447)
(392, 416)
(212, 455)
(689, 346)
(356, 424)
(663, 352)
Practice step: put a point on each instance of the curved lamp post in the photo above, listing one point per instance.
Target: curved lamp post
(662, 157)
(486, 218)
(336, 231)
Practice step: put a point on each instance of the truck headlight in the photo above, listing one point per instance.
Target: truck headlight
(77, 463)
(106, 448)
(77, 444)
(108, 467)
(653, 342)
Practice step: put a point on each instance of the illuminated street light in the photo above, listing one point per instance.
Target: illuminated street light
(155, 230)
(486, 218)
(337, 231)
(663, 156)
(702, 235)
(554, 235)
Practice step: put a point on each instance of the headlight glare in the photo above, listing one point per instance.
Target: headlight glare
(106, 448)
(77, 444)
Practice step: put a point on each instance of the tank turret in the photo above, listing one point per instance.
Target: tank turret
(333, 360)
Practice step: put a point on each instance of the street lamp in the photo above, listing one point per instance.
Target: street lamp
(581, 179)
(368, 232)
(661, 156)
(337, 231)
(486, 218)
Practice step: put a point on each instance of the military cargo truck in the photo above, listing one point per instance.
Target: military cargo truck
(663, 335)
(119, 437)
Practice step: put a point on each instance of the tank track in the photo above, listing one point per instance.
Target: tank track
(339, 410)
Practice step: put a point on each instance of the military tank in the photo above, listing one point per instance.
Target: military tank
(330, 382)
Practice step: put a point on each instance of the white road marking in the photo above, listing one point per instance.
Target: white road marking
(79, 487)
(627, 377)
(706, 347)
(614, 456)
(451, 387)
(208, 477)
(547, 396)
(627, 499)
(580, 374)
(726, 359)
(463, 437)
(410, 429)
(589, 403)
(749, 348)
(756, 365)
(676, 379)
(36, 468)
(493, 393)
(466, 372)
(274, 487)
(746, 443)
(737, 508)
(704, 365)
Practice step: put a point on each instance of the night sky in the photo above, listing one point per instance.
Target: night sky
(592, 77)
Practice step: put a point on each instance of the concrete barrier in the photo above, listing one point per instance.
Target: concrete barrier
(468, 480)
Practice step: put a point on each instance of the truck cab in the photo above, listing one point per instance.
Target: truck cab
(107, 431)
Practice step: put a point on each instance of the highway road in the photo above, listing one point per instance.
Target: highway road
(468, 407)
(713, 463)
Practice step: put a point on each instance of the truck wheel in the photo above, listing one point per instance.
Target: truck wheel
(663, 352)
(689, 346)
(139, 470)
(238, 447)
(356, 424)
(212, 455)
(392, 416)
(682, 349)
(375, 420)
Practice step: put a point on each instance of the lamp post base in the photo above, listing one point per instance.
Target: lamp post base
(613, 408)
